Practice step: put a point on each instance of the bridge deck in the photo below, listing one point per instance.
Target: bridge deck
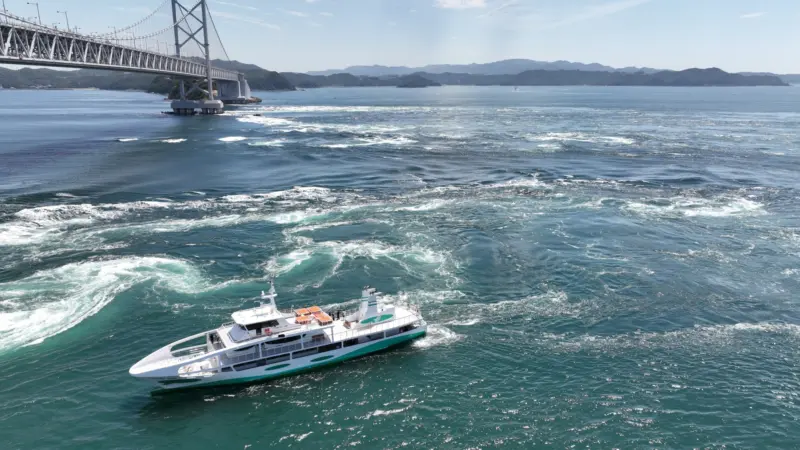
(23, 43)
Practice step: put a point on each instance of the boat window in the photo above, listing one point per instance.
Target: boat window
(375, 336)
(303, 353)
(283, 340)
(330, 347)
(278, 358)
(407, 328)
(245, 366)
(260, 325)
(215, 341)
(351, 342)
(227, 369)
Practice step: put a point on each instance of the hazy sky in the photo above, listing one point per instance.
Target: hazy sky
(300, 35)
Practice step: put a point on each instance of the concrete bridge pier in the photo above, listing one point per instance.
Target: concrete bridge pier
(234, 92)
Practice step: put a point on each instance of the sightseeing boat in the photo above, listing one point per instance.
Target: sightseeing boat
(264, 343)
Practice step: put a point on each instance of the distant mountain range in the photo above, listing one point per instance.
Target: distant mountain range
(505, 67)
(689, 77)
(265, 80)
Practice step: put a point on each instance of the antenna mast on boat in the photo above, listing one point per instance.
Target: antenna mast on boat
(272, 294)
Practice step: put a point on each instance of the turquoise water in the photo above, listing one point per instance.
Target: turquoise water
(600, 267)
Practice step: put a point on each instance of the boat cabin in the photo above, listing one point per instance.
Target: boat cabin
(261, 321)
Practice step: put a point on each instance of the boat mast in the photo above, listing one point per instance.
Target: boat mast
(271, 296)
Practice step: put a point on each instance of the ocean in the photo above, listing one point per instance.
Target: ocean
(599, 267)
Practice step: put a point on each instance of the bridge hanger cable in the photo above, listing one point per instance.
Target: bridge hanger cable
(216, 32)
(141, 21)
(146, 36)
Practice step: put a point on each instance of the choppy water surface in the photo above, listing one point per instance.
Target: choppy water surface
(600, 267)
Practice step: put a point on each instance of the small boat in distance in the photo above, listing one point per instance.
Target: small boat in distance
(264, 343)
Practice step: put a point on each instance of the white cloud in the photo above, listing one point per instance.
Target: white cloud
(499, 8)
(597, 11)
(460, 4)
(134, 9)
(236, 5)
(294, 13)
(752, 15)
(246, 19)
(326, 14)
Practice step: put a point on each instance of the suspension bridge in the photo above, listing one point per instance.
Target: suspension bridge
(136, 48)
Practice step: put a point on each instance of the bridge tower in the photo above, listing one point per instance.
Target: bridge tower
(195, 20)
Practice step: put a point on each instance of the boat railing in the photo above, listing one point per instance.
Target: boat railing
(374, 328)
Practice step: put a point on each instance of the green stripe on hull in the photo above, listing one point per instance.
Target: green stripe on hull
(378, 319)
(279, 366)
(372, 348)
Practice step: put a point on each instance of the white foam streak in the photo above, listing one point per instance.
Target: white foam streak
(698, 335)
(581, 137)
(54, 300)
(286, 263)
(437, 335)
(520, 183)
(464, 323)
(233, 139)
(297, 193)
(270, 143)
(697, 207)
(267, 121)
(16, 233)
(369, 142)
(381, 412)
(43, 223)
(428, 206)
(173, 141)
(338, 251)
(287, 125)
(65, 214)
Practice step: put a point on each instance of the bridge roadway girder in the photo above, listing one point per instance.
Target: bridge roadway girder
(26, 44)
